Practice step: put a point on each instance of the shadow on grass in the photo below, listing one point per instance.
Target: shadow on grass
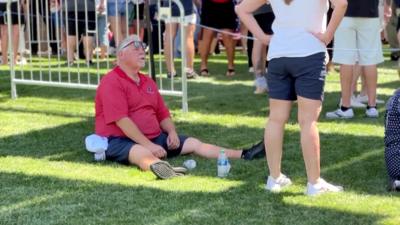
(68, 201)
(352, 160)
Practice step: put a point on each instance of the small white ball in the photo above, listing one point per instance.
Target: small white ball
(189, 164)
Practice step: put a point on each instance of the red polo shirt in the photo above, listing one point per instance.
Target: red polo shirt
(119, 96)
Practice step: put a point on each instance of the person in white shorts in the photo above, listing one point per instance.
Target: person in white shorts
(358, 39)
(296, 71)
(171, 28)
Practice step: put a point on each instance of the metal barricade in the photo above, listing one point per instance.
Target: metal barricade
(53, 28)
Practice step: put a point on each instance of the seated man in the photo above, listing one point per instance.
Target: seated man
(132, 114)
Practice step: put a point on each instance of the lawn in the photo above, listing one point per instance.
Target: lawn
(47, 176)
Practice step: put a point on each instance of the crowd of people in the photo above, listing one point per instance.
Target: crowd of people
(288, 58)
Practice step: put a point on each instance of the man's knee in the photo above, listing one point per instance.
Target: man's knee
(191, 145)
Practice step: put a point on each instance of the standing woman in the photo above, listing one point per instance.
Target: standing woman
(296, 72)
(218, 14)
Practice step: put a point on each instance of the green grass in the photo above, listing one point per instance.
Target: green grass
(47, 177)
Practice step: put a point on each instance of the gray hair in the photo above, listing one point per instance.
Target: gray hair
(127, 41)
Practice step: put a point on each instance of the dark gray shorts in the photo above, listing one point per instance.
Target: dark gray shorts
(289, 77)
(119, 147)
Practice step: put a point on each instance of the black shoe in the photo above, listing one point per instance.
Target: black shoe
(255, 152)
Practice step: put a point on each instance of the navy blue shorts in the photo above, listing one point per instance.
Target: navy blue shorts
(119, 147)
(289, 77)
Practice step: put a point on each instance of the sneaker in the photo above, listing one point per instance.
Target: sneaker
(364, 99)
(339, 114)
(355, 103)
(254, 152)
(163, 170)
(372, 112)
(322, 187)
(394, 185)
(276, 185)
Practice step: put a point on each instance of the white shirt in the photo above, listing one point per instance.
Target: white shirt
(293, 27)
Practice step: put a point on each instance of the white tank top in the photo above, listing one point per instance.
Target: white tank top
(293, 27)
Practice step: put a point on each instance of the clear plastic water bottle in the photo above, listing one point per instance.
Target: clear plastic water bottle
(223, 165)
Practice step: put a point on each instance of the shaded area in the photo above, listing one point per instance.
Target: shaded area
(69, 201)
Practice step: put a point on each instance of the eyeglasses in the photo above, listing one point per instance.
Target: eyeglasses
(136, 44)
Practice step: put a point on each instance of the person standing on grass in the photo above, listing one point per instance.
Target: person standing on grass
(131, 113)
(296, 72)
(4, 29)
(361, 30)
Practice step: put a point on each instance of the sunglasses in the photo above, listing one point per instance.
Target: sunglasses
(136, 44)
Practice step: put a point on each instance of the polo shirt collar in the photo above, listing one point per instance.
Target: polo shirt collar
(123, 75)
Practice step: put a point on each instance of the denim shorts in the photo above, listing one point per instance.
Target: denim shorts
(102, 31)
(289, 77)
(119, 147)
(112, 9)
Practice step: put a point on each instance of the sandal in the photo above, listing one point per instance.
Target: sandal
(191, 74)
(230, 72)
(204, 72)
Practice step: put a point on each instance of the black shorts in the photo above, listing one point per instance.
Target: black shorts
(289, 77)
(14, 13)
(265, 21)
(219, 15)
(81, 23)
(119, 147)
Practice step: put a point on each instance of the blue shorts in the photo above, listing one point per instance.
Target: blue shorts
(119, 147)
(121, 10)
(289, 77)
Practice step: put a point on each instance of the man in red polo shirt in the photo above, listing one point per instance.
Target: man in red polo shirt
(131, 113)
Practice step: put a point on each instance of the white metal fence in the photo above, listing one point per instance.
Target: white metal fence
(49, 56)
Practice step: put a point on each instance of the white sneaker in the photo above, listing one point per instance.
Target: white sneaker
(372, 113)
(339, 114)
(364, 99)
(275, 185)
(355, 103)
(322, 187)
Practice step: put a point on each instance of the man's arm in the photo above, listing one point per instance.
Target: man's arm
(168, 126)
(132, 131)
(245, 11)
(339, 9)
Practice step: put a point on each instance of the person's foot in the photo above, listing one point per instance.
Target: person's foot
(364, 99)
(171, 74)
(163, 170)
(372, 112)
(191, 74)
(354, 102)
(230, 72)
(254, 152)
(204, 72)
(394, 185)
(276, 185)
(261, 85)
(322, 187)
(340, 114)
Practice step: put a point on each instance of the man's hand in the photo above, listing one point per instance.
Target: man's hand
(173, 141)
(157, 150)
(323, 37)
(100, 7)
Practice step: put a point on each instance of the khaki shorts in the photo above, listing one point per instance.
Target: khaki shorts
(189, 19)
(358, 40)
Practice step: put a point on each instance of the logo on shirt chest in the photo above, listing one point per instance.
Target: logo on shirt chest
(149, 90)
